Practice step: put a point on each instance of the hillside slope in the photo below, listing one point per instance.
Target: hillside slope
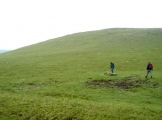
(48, 79)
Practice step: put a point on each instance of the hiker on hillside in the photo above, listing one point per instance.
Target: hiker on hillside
(149, 69)
(112, 66)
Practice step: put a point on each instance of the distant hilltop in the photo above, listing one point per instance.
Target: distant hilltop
(2, 51)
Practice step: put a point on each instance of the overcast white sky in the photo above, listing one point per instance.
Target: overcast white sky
(25, 22)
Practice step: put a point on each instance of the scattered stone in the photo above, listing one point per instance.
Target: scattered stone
(109, 73)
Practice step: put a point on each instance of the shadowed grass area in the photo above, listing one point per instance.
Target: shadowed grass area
(58, 79)
(126, 83)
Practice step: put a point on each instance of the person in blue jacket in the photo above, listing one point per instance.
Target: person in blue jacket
(112, 66)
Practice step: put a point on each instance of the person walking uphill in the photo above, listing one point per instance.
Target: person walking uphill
(112, 66)
(149, 69)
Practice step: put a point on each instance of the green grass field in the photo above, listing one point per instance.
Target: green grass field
(63, 78)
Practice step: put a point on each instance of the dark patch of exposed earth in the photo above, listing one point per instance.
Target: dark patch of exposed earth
(126, 83)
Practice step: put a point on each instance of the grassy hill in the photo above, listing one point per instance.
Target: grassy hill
(63, 78)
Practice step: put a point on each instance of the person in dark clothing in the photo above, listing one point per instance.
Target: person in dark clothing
(112, 66)
(149, 69)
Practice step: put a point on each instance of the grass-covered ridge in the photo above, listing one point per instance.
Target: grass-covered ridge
(49, 80)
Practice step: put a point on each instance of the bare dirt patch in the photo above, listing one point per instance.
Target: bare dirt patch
(126, 83)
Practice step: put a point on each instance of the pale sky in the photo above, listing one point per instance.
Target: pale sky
(26, 22)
